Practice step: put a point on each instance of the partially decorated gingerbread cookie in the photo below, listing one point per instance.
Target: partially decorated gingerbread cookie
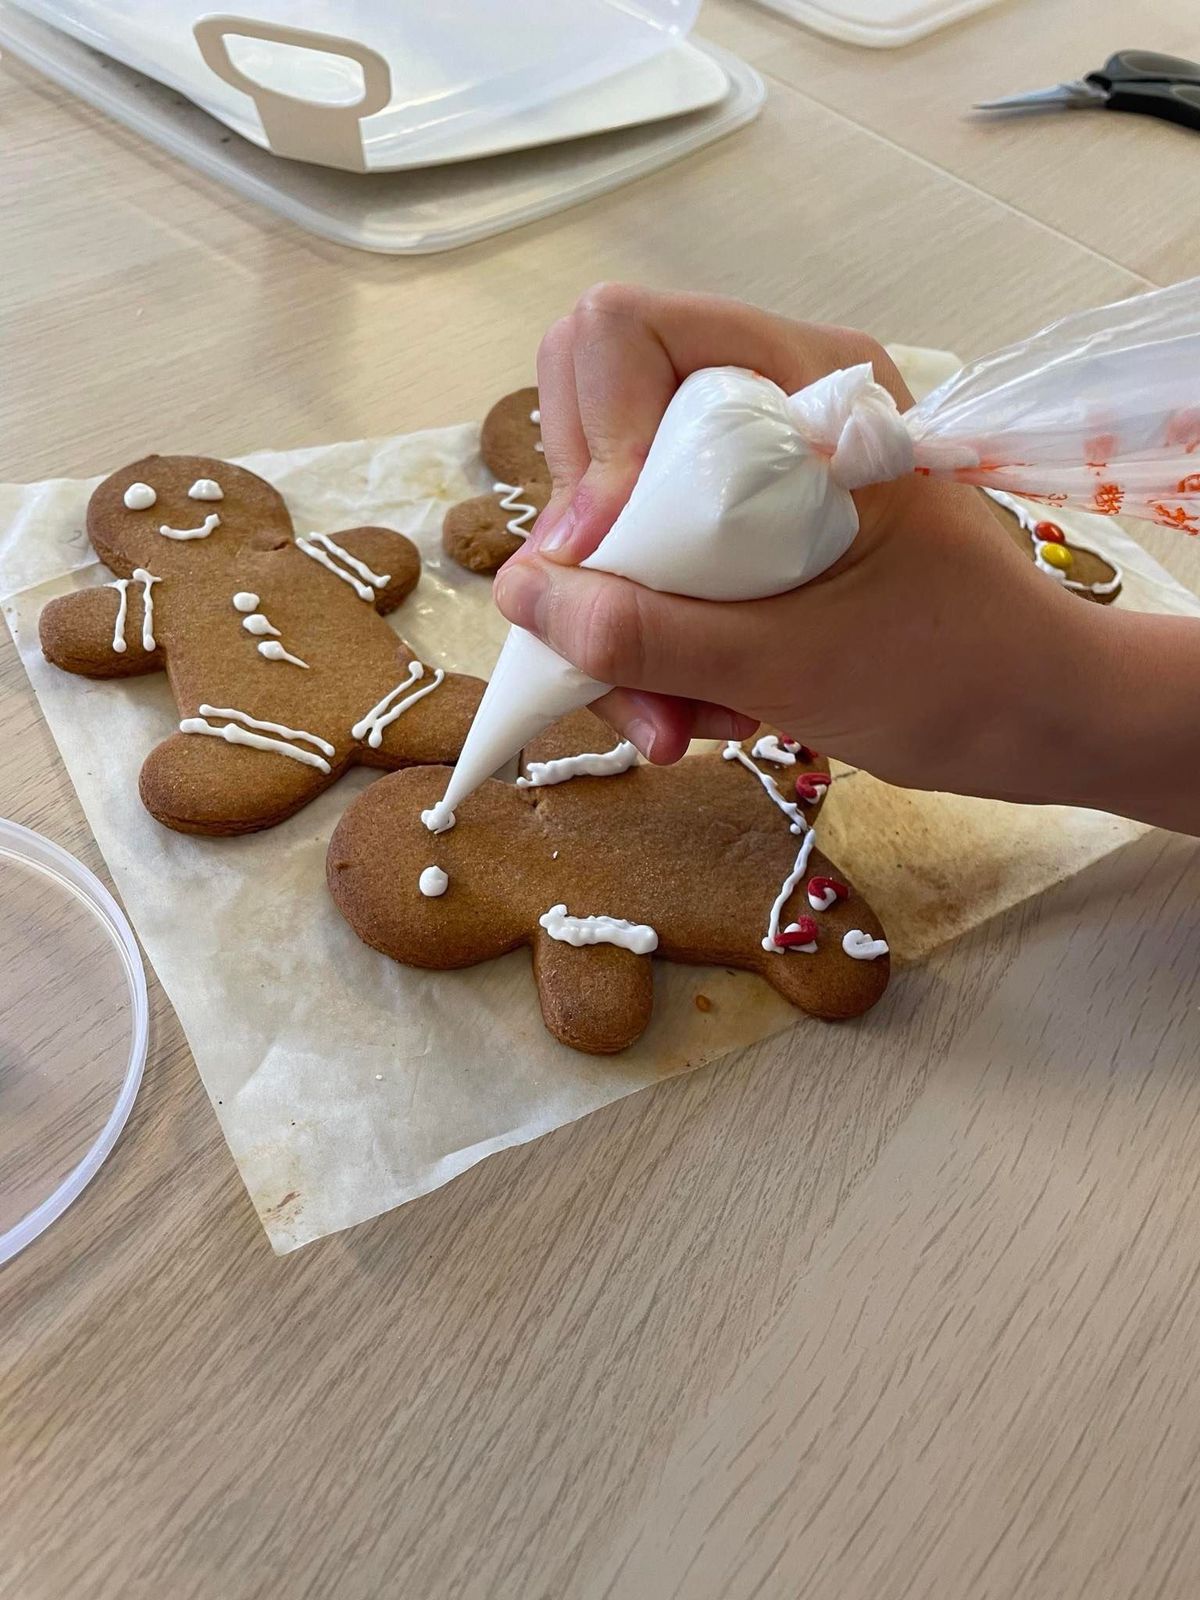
(1078, 568)
(483, 532)
(282, 666)
(599, 862)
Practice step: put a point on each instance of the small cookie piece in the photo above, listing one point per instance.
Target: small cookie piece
(689, 862)
(282, 666)
(1082, 570)
(481, 533)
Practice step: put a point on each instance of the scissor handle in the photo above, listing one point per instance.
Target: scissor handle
(1145, 66)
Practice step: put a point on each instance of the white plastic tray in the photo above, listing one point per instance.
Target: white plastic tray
(879, 24)
(410, 213)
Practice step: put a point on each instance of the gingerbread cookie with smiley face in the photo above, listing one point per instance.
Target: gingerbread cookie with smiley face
(276, 648)
(483, 532)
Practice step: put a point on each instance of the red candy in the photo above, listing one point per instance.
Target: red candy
(819, 888)
(804, 932)
(810, 784)
(799, 750)
(1049, 533)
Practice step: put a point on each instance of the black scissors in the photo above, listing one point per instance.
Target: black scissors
(1132, 80)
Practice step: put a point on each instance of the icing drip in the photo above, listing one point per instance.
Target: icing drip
(799, 868)
(121, 585)
(862, 947)
(243, 600)
(433, 881)
(272, 650)
(322, 548)
(519, 525)
(210, 523)
(377, 719)
(239, 731)
(636, 936)
(769, 748)
(439, 818)
(258, 624)
(139, 497)
(1029, 522)
(734, 752)
(607, 764)
(147, 580)
(206, 489)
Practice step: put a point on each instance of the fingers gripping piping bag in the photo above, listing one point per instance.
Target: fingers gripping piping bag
(745, 491)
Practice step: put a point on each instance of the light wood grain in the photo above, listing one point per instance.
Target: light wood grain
(968, 1219)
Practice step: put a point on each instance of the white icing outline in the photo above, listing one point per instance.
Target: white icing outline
(518, 526)
(1029, 522)
(121, 585)
(210, 524)
(799, 868)
(862, 947)
(734, 752)
(147, 581)
(232, 733)
(639, 937)
(604, 764)
(379, 717)
(322, 548)
(272, 650)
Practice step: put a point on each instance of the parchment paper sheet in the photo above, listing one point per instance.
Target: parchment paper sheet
(345, 1084)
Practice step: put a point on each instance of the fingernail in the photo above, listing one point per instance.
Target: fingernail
(558, 533)
(644, 734)
(520, 589)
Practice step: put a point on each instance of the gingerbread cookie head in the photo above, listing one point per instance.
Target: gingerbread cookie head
(483, 532)
(281, 664)
(597, 867)
(1076, 567)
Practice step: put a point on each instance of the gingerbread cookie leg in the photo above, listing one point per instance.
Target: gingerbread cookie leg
(594, 999)
(107, 632)
(482, 533)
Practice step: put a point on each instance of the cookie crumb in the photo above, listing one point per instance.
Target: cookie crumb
(379, 1077)
(703, 1003)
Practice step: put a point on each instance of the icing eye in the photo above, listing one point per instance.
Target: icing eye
(206, 489)
(139, 497)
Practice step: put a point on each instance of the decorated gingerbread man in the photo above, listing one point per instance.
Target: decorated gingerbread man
(482, 533)
(597, 861)
(282, 666)
(1083, 571)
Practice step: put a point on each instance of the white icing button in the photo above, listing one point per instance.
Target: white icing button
(139, 497)
(432, 881)
(243, 600)
(438, 819)
(206, 489)
(258, 624)
(862, 947)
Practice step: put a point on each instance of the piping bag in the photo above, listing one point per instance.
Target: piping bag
(746, 490)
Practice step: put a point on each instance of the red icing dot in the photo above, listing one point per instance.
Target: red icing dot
(805, 932)
(810, 784)
(820, 887)
(800, 750)
(1049, 533)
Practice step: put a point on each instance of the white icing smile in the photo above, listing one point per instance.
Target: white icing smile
(211, 522)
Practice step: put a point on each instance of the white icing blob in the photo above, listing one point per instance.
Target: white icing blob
(139, 497)
(606, 764)
(272, 650)
(211, 522)
(432, 882)
(243, 600)
(258, 625)
(439, 818)
(578, 931)
(769, 748)
(206, 489)
(862, 947)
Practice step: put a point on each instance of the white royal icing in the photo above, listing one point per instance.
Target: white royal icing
(206, 489)
(603, 765)
(243, 600)
(822, 902)
(121, 585)
(211, 522)
(257, 624)
(1029, 522)
(769, 748)
(238, 731)
(519, 525)
(636, 936)
(322, 548)
(377, 719)
(432, 882)
(535, 416)
(439, 818)
(139, 497)
(799, 868)
(734, 752)
(147, 581)
(272, 650)
(862, 947)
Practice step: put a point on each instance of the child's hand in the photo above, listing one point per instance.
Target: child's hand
(933, 653)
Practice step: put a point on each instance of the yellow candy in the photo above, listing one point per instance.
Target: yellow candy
(1056, 555)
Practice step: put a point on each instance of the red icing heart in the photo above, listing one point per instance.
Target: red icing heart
(1049, 533)
(818, 888)
(805, 932)
(810, 784)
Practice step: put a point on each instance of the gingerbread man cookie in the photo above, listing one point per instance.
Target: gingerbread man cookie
(282, 666)
(597, 867)
(482, 533)
(1084, 571)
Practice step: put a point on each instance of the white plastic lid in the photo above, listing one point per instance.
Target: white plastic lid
(73, 1031)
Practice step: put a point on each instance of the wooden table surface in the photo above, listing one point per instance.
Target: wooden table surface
(903, 1310)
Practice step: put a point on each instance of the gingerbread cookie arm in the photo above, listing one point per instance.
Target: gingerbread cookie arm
(106, 632)
(381, 565)
(221, 786)
(475, 532)
(421, 720)
(594, 998)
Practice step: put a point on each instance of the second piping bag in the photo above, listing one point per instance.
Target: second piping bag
(746, 490)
